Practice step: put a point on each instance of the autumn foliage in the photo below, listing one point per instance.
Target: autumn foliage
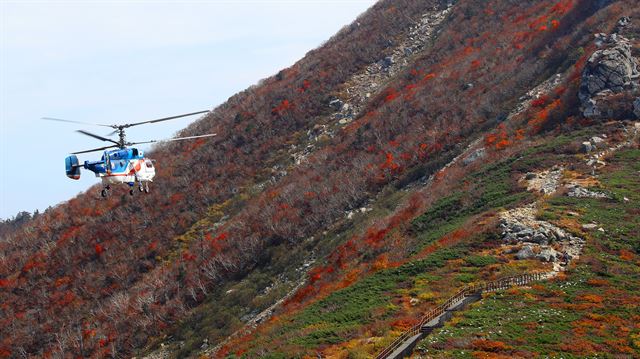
(100, 277)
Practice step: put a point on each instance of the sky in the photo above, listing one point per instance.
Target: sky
(128, 61)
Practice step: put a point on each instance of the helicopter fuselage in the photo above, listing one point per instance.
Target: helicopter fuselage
(120, 166)
(124, 164)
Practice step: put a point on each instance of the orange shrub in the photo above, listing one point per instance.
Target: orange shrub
(489, 345)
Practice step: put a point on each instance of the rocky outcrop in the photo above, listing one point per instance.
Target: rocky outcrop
(545, 182)
(362, 86)
(581, 192)
(608, 71)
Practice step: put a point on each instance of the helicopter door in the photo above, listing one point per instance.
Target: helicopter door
(107, 163)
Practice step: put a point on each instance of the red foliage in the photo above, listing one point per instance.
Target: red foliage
(4, 283)
(562, 7)
(282, 107)
(626, 255)
(5, 352)
(391, 95)
(374, 237)
(540, 101)
(305, 86)
(217, 243)
(98, 249)
(404, 323)
(188, 257)
(176, 197)
(490, 345)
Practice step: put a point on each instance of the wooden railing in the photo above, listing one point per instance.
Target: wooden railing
(499, 284)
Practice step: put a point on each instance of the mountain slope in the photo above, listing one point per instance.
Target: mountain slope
(378, 164)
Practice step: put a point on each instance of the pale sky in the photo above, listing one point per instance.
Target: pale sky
(130, 61)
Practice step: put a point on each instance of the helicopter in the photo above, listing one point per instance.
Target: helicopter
(123, 165)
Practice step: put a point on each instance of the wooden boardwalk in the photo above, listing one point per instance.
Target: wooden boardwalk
(436, 317)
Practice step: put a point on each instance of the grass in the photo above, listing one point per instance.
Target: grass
(354, 306)
(367, 308)
(593, 312)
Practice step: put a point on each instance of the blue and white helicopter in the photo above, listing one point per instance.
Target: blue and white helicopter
(123, 165)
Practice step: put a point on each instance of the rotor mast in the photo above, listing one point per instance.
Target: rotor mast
(122, 137)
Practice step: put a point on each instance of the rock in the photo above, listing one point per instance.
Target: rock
(612, 68)
(547, 255)
(476, 155)
(580, 192)
(589, 226)
(586, 147)
(600, 39)
(595, 140)
(530, 176)
(336, 104)
(601, 229)
(527, 233)
(511, 250)
(525, 253)
(344, 121)
(387, 62)
(510, 237)
(540, 238)
(559, 235)
(414, 301)
(591, 109)
(624, 21)
(636, 107)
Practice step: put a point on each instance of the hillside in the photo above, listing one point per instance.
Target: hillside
(426, 146)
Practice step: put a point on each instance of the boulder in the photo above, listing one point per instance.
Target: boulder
(540, 238)
(387, 62)
(336, 104)
(476, 155)
(612, 68)
(525, 253)
(547, 255)
(527, 233)
(586, 147)
(624, 21)
(591, 109)
(595, 140)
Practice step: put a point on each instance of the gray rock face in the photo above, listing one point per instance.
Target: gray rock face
(476, 155)
(581, 192)
(596, 141)
(547, 255)
(611, 69)
(525, 253)
(336, 104)
(586, 147)
(636, 107)
(624, 21)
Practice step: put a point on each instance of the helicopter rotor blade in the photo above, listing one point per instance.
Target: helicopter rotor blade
(173, 139)
(93, 150)
(96, 136)
(163, 119)
(70, 121)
